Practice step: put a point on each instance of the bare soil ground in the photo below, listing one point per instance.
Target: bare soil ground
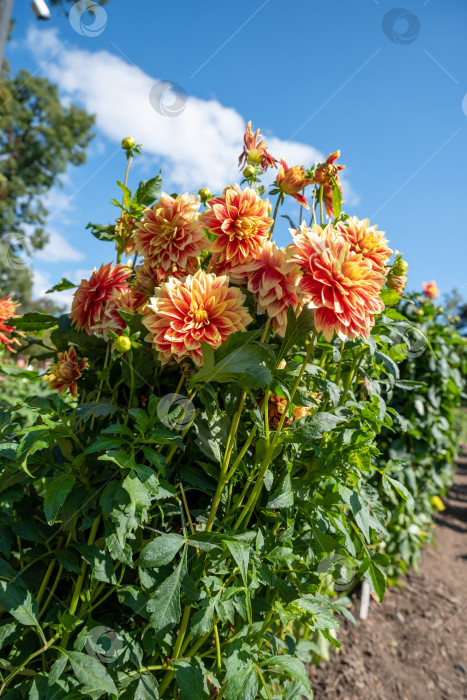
(413, 646)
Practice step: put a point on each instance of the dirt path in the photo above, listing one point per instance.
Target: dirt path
(413, 647)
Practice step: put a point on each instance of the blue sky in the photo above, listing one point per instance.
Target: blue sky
(314, 76)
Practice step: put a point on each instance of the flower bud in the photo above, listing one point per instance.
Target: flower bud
(205, 194)
(249, 172)
(122, 344)
(420, 312)
(128, 143)
(400, 268)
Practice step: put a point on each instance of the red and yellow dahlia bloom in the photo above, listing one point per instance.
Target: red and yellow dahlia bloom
(273, 279)
(342, 285)
(91, 296)
(240, 220)
(254, 151)
(148, 278)
(8, 307)
(200, 307)
(170, 232)
(292, 181)
(65, 372)
(430, 290)
(365, 239)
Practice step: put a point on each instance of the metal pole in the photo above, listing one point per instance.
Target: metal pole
(6, 7)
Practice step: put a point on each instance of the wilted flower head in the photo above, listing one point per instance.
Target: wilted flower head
(343, 286)
(292, 181)
(397, 283)
(149, 277)
(64, 373)
(365, 239)
(170, 232)
(91, 296)
(8, 307)
(323, 177)
(120, 299)
(255, 151)
(240, 220)
(430, 290)
(273, 278)
(201, 307)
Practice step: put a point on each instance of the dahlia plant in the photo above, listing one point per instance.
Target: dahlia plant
(192, 501)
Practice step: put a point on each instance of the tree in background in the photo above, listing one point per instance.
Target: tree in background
(39, 138)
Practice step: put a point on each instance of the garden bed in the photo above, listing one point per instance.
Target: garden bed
(414, 645)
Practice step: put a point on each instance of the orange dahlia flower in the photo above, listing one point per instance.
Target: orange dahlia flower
(240, 220)
(149, 277)
(88, 302)
(273, 279)
(323, 177)
(170, 232)
(201, 307)
(430, 290)
(254, 151)
(292, 181)
(8, 307)
(343, 286)
(64, 373)
(365, 239)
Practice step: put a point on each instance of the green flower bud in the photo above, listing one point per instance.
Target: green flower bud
(249, 172)
(205, 194)
(128, 143)
(122, 344)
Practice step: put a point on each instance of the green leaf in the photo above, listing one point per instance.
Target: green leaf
(292, 666)
(298, 329)
(126, 194)
(99, 561)
(86, 410)
(148, 191)
(164, 606)
(234, 357)
(19, 602)
(57, 489)
(390, 297)
(241, 555)
(147, 688)
(161, 550)
(190, 679)
(138, 493)
(90, 673)
(378, 579)
(33, 321)
(402, 490)
(243, 684)
(313, 427)
(61, 286)
(202, 621)
(283, 496)
(336, 198)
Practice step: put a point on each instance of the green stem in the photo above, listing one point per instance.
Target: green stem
(355, 365)
(181, 634)
(101, 382)
(321, 193)
(279, 200)
(79, 583)
(119, 252)
(32, 656)
(263, 683)
(256, 491)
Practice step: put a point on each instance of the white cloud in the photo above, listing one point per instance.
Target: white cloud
(41, 283)
(200, 147)
(58, 250)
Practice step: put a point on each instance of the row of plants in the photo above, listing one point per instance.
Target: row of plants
(233, 441)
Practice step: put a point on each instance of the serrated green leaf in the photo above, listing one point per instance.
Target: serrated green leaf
(161, 550)
(57, 489)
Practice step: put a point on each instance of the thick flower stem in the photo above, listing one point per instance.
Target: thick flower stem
(276, 208)
(321, 193)
(181, 634)
(224, 473)
(119, 252)
(353, 370)
(251, 503)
